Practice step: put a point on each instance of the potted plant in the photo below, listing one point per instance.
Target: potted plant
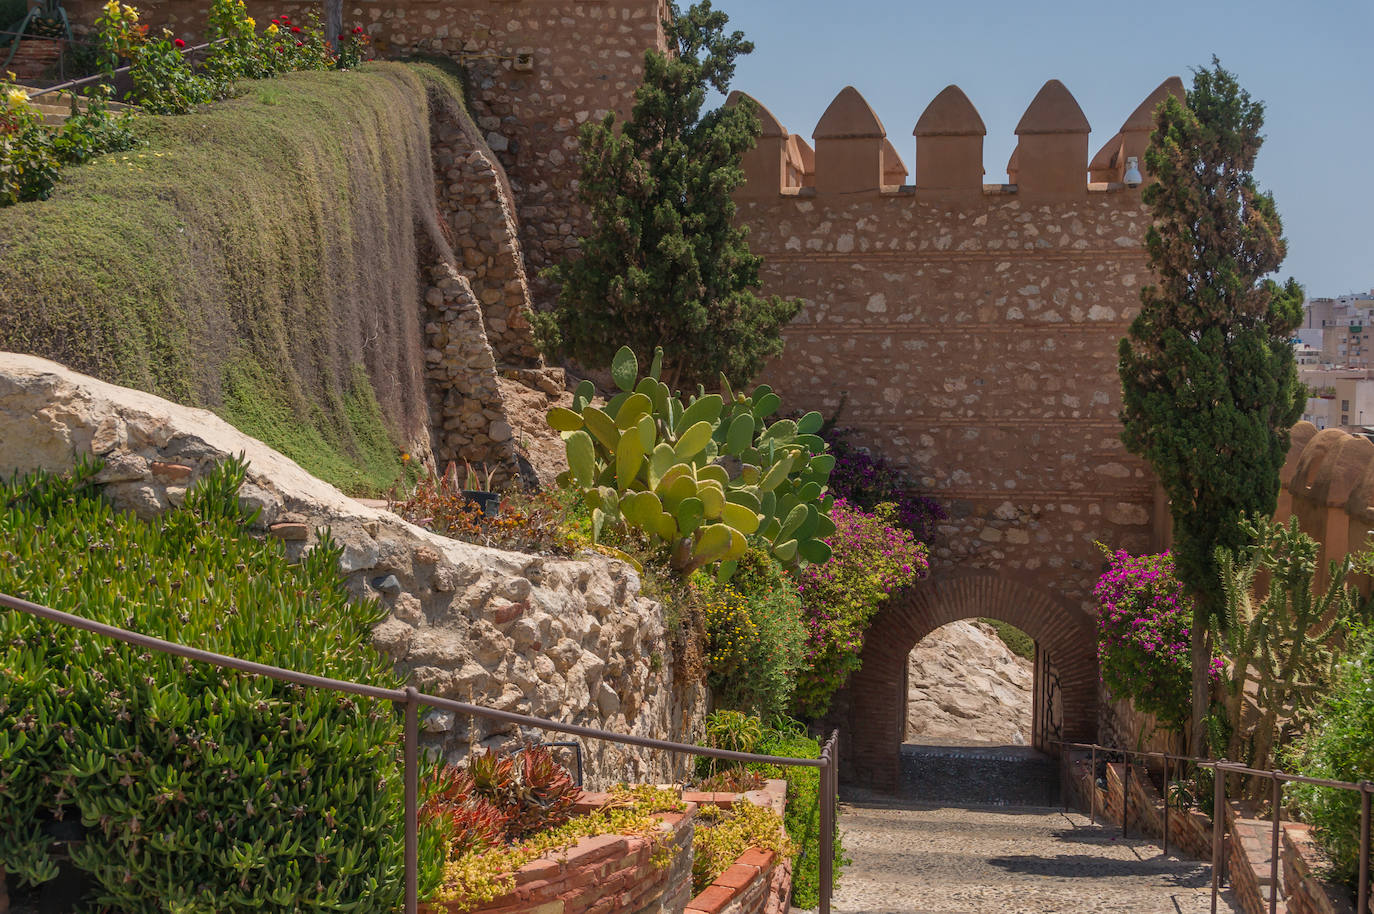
(476, 487)
(43, 35)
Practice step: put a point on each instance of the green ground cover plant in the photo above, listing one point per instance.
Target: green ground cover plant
(199, 789)
(785, 738)
(244, 259)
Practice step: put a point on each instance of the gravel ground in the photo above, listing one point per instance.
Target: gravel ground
(928, 859)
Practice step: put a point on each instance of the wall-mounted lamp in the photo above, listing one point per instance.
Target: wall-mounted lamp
(1133, 178)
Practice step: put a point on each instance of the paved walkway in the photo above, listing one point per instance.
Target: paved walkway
(927, 859)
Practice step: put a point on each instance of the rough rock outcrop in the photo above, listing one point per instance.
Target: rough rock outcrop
(964, 684)
(566, 639)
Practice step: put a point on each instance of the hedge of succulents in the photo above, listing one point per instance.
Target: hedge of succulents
(198, 789)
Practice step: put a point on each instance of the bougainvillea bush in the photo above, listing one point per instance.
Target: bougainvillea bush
(866, 481)
(1143, 636)
(872, 557)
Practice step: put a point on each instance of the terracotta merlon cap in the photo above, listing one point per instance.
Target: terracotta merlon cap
(771, 126)
(1143, 117)
(1053, 110)
(849, 117)
(950, 114)
(892, 161)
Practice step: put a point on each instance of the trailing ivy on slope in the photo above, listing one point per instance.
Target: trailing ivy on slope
(263, 247)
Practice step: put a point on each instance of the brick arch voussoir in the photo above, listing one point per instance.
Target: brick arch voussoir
(877, 707)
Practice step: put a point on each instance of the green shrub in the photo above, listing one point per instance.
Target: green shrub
(1340, 746)
(754, 635)
(32, 154)
(201, 789)
(722, 835)
(787, 738)
(1143, 640)
(1017, 641)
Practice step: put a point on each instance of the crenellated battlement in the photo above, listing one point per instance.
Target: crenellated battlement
(853, 153)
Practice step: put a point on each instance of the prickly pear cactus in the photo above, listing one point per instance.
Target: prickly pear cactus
(709, 476)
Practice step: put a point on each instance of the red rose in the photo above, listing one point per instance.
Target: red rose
(295, 30)
(179, 43)
(286, 19)
(343, 37)
(357, 30)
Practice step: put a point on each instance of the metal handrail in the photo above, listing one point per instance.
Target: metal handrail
(99, 77)
(412, 699)
(1221, 768)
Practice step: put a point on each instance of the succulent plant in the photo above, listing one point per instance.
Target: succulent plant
(708, 476)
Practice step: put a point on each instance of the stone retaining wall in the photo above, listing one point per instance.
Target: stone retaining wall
(566, 639)
(1189, 831)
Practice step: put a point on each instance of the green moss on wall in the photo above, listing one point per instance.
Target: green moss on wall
(257, 258)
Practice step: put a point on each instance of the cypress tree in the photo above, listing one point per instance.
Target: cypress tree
(1208, 375)
(666, 265)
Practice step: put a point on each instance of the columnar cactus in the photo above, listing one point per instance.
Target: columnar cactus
(709, 476)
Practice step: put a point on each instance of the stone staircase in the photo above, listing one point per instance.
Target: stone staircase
(979, 775)
(56, 108)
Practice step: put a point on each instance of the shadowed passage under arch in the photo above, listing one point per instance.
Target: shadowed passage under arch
(873, 705)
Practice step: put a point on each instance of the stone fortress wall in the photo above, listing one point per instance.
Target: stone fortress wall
(969, 332)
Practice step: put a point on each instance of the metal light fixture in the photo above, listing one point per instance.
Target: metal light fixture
(1133, 178)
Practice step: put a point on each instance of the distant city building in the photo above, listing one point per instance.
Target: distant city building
(1336, 332)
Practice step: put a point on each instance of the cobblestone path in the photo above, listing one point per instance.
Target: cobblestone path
(929, 859)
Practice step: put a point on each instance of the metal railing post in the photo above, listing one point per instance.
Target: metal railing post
(1092, 788)
(1126, 796)
(1166, 804)
(1366, 788)
(1274, 845)
(829, 785)
(412, 791)
(1218, 827)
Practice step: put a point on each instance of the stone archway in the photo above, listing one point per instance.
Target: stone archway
(871, 709)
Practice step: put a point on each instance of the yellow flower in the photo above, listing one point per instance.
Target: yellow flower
(250, 22)
(272, 29)
(17, 98)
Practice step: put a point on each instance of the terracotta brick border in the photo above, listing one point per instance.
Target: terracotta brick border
(757, 882)
(607, 874)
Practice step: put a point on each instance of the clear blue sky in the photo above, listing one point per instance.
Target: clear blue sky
(1310, 61)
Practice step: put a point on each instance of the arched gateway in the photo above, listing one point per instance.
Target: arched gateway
(872, 708)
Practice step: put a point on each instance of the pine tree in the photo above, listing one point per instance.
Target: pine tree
(1207, 371)
(666, 264)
